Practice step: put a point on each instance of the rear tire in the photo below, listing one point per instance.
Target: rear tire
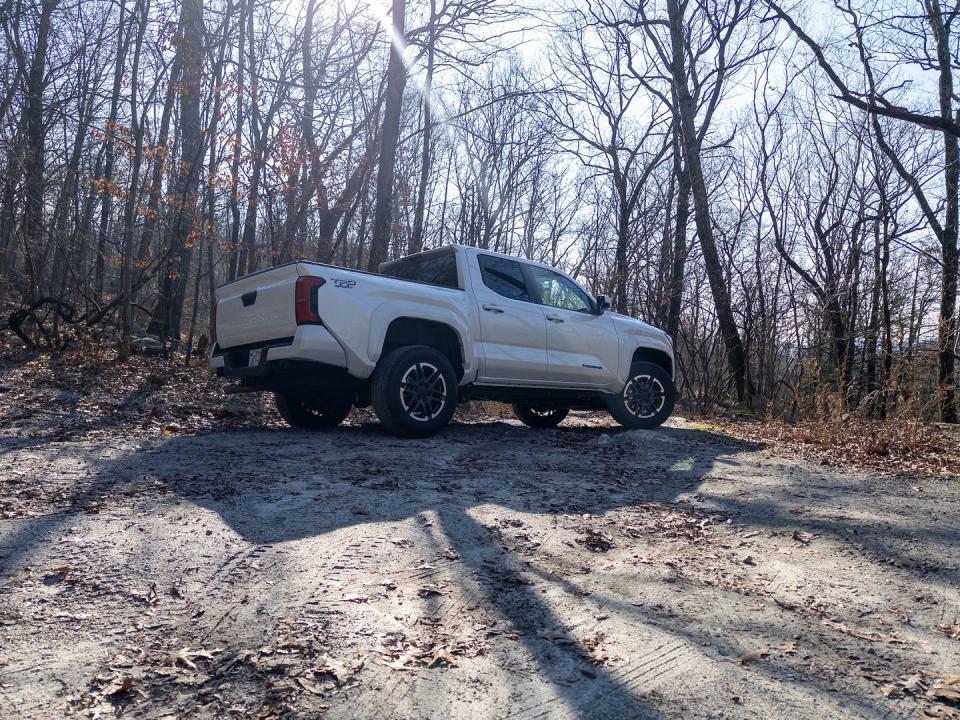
(535, 417)
(312, 413)
(646, 400)
(414, 391)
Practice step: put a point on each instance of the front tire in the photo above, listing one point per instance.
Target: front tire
(312, 413)
(414, 391)
(647, 398)
(537, 417)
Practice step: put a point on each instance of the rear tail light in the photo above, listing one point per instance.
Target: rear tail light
(306, 300)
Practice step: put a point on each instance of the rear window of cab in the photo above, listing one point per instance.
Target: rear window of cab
(438, 269)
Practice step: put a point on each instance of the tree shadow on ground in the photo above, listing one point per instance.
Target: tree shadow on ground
(279, 486)
(470, 464)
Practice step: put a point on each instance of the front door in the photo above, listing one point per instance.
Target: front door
(512, 327)
(582, 348)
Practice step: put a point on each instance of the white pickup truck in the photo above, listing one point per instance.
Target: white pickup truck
(434, 329)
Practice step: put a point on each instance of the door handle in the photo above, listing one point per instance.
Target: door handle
(555, 318)
(493, 308)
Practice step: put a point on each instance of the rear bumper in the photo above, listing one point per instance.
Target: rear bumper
(312, 343)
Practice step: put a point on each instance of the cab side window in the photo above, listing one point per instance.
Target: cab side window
(504, 277)
(558, 291)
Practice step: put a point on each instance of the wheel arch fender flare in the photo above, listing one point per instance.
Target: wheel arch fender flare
(646, 349)
(387, 313)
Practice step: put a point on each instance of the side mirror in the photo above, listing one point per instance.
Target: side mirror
(603, 303)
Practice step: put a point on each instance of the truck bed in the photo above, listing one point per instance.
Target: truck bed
(261, 306)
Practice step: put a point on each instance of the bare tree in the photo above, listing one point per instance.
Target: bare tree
(933, 25)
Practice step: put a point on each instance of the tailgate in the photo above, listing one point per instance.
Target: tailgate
(258, 307)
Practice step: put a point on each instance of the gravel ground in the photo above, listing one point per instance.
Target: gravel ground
(490, 572)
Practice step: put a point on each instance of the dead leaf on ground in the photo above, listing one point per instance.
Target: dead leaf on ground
(753, 656)
(914, 684)
(593, 648)
(940, 712)
(117, 685)
(186, 656)
(864, 635)
(951, 631)
(432, 589)
(557, 636)
(564, 680)
(404, 662)
(595, 540)
(946, 691)
(360, 510)
(442, 655)
(310, 686)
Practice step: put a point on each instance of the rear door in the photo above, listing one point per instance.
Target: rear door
(582, 348)
(513, 329)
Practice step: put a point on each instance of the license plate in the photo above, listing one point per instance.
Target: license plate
(254, 357)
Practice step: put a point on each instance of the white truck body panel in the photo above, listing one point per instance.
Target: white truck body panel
(503, 341)
(271, 316)
(513, 335)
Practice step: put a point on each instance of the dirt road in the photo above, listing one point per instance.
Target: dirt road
(491, 572)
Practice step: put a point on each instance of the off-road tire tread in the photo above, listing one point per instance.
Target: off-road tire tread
(627, 419)
(381, 396)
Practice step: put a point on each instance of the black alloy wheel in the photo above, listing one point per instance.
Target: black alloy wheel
(647, 398)
(423, 391)
(414, 391)
(644, 395)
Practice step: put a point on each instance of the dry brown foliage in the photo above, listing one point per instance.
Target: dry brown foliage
(906, 447)
(81, 391)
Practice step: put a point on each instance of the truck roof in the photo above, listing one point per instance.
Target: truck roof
(449, 246)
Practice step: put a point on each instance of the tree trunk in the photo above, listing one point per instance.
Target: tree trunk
(210, 219)
(160, 156)
(736, 356)
(235, 158)
(106, 182)
(8, 219)
(416, 237)
(247, 260)
(33, 225)
(189, 40)
(872, 339)
(623, 238)
(126, 250)
(679, 242)
(389, 136)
